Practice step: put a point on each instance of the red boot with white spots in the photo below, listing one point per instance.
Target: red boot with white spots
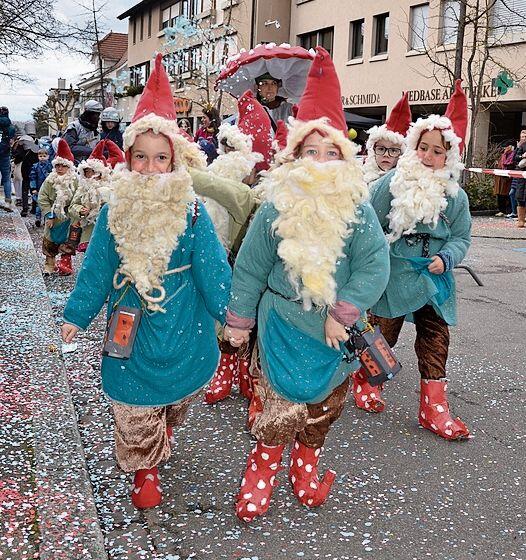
(264, 463)
(365, 395)
(303, 474)
(146, 491)
(64, 266)
(245, 381)
(221, 384)
(434, 412)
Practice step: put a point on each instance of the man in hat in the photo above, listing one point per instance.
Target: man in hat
(82, 134)
(314, 259)
(277, 107)
(155, 255)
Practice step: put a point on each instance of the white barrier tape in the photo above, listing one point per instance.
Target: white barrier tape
(499, 172)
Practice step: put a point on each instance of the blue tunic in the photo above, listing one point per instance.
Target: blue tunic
(409, 289)
(175, 353)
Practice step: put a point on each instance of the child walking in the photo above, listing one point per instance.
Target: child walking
(426, 216)
(54, 197)
(37, 176)
(155, 255)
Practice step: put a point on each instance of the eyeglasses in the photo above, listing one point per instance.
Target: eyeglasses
(391, 152)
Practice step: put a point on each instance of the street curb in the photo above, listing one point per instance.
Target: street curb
(66, 511)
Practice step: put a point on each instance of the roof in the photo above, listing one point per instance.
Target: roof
(114, 46)
(139, 7)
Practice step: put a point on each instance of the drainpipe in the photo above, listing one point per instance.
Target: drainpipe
(253, 24)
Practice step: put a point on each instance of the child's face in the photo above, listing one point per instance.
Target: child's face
(43, 156)
(315, 147)
(431, 150)
(151, 154)
(61, 169)
(91, 174)
(110, 124)
(386, 154)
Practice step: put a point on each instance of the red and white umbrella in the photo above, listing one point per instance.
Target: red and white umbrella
(288, 64)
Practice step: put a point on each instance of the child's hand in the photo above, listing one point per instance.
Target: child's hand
(69, 332)
(236, 337)
(437, 266)
(334, 333)
(50, 222)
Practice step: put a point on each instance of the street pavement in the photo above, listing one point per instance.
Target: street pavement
(400, 493)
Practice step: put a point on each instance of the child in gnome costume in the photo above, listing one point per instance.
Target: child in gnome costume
(245, 149)
(387, 142)
(94, 188)
(426, 216)
(155, 255)
(54, 197)
(313, 260)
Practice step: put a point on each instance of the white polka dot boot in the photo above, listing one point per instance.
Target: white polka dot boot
(146, 490)
(365, 395)
(221, 384)
(434, 412)
(264, 463)
(303, 474)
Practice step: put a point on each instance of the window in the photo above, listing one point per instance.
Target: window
(450, 15)
(356, 38)
(381, 33)
(418, 27)
(323, 38)
(507, 21)
(134, 25)
(140, 74)
(141, 34)
(187, 8)
(150, 23)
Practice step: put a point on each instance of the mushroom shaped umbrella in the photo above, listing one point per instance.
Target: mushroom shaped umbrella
(288, 64)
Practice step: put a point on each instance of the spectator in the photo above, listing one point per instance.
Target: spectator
(82, 135)
(110, 121)
(7, 135)
(277, 107)
(39, 172)
(26, 154)
(515, 183)
(501, 186)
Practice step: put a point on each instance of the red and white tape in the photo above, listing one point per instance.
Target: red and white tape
(499, 172)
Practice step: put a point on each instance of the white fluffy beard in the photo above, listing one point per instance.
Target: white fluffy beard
(147, 216)
(317, 205)
(93, 193)
(65, 189)
(419, 195)
(235, 165)
(371, 171)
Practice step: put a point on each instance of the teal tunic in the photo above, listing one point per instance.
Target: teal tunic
(409, 289)
(175, 353)
(261, 283)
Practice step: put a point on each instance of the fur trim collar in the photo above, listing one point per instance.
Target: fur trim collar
(383, 133)
(147, 216)
(298, 130)
(184, 151)
(63, 161)
(65, 187)
(419, 195)
(96, 164)
(317, 206)
(453, 159)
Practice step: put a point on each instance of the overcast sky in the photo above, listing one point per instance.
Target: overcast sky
(22, 98)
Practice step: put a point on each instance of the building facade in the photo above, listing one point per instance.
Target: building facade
(385, 47)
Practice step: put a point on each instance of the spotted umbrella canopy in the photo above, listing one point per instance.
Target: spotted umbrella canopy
(288, 64)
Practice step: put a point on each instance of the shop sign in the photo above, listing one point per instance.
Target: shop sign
(489, 91)
(182, 105)
(361, 99)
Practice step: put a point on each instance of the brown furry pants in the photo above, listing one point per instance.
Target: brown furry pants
(432, 339)
(51, 249)
(141, 441)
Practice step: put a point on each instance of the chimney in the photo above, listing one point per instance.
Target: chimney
(61, 83)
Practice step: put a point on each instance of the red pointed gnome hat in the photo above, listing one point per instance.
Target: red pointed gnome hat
(255, 122)
(395, 128)
(64, 155)
(322, 96)
(115, 154)
(156, 112)
(457, 113)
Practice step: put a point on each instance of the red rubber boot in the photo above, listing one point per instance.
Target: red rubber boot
(255, 406)
(64, 266)
(365, 395)
(146, 492)
(245, 381)
(303, 474)
(434, 412)
(221, 384)
(253, 499)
